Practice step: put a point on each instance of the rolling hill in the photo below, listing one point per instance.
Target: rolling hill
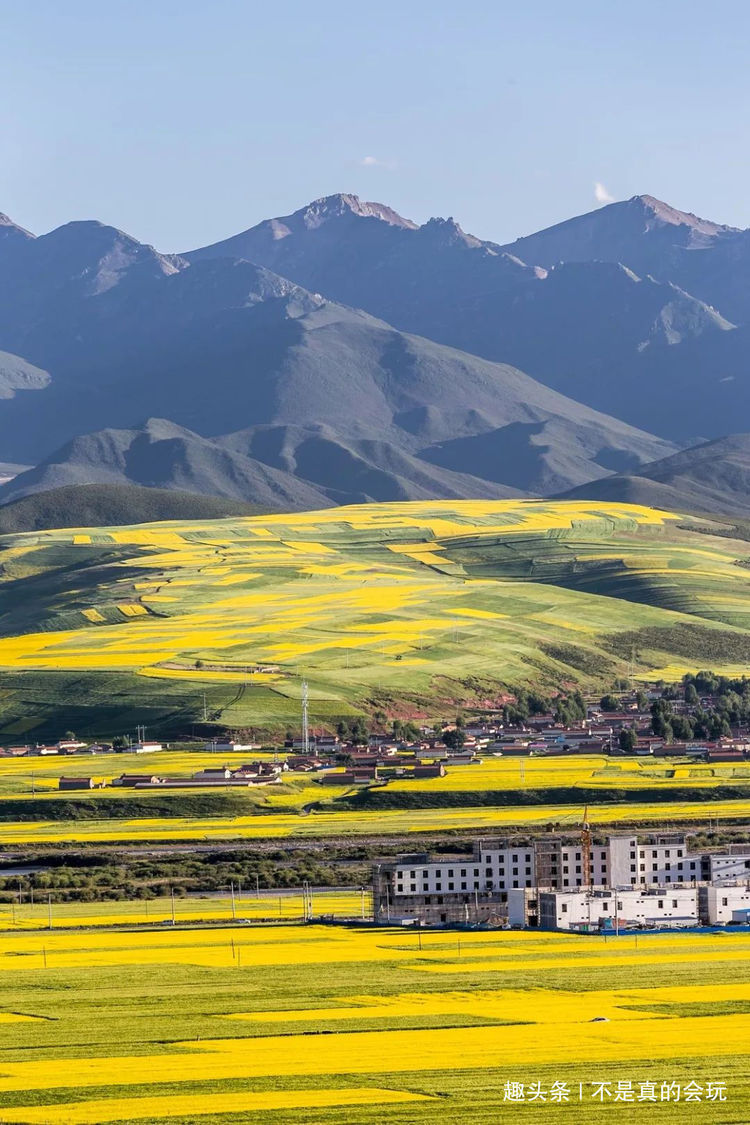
(403, 607)
(712, 478)
(87, 505)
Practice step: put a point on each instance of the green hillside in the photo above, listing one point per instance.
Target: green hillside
(411, 608)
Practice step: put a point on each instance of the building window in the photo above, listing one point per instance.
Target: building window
(564, 908)
(605, 906)
(515, 882)
(724, 902)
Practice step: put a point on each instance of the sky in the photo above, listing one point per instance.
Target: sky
(185, 122)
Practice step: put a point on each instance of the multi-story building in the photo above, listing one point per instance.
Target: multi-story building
(727, 866)
(721, 904)
(476, 887)
(662, 860)
(674, 907)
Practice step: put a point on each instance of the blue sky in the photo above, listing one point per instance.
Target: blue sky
(184, 122)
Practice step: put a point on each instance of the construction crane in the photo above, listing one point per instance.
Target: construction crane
(586, 849)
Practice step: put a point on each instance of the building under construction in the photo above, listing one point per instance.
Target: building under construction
(498, 882)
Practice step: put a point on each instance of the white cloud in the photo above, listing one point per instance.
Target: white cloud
(374, 162)
(601, 195)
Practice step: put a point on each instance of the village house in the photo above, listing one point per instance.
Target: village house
(675, 908)
(79, 783)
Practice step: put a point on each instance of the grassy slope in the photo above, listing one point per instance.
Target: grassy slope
(409, 607)
(89, 505)
(448, 1019)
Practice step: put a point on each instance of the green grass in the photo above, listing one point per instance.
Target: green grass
(130, 1006)
(474, 597)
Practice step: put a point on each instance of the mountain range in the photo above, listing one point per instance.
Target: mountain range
(345, 354)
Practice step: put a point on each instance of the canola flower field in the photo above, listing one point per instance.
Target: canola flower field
(276, 905)
(423, 600)
(362, 822)
(35, 777)
(358, 1026)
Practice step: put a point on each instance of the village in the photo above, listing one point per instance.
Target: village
(375, 757)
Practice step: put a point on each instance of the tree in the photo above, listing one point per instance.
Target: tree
(682, 728)
(70, 735)
(454, 739)
(691, 695)
(359, 733)
(641, 700)
(628, 740)
(118, 742)
(609, 702)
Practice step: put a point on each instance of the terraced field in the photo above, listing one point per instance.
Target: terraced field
(361, 1026)
(404, 606)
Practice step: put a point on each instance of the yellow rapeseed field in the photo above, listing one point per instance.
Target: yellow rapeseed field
(368, 823)
(351, 591)
(172, 1035)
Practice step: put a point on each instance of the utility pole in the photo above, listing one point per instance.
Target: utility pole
(305, 729)
(234, 909)
(205, 708)
(49, 911)
(171, 895)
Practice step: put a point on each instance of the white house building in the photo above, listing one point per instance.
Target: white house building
(596, 909)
